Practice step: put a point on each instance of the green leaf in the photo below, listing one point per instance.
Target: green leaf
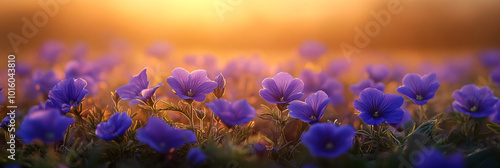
(266, 116)
(396, 140)
(173, 107)
(267, 108)
(425, 128)
(494, 127)
(363, 132)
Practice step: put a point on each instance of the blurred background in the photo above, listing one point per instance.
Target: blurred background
(273, 29)
(107, 42)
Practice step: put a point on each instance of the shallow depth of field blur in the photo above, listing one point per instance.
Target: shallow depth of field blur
(106, 43)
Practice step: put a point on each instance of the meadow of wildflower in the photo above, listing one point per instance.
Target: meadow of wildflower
(245, 114)
(289, 91)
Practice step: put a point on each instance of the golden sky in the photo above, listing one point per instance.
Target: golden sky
(235, 27)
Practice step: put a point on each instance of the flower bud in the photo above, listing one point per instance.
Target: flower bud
(221, 86)
(200, 114)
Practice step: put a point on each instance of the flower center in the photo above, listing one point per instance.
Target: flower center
(375, 114)
(419, 97)
(473, 109)
(329, 146)
(49, 136)
(313, 117)
(282, 99)
(190, 93)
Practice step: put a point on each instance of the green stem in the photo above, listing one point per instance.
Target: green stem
(153, 108)
(276, 132)
(466, 127)
(201, 125)
(372, 131)
(422, 114)
(235, 135)
(210, 126)
(281, 128)
(191, 120)
(216, 133)
(283, 135)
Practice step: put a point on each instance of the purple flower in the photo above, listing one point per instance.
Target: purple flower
(236, 113)
(432, 158)
(44, 106)
(50, 51)
(23, 69)
(208, 62)
(240, 66)
(367, 83)
(80, 50)
(137, 88)
(419, 89)
(162, 137)
(495, 117)
(253, 65)
(92, 84)
(259, 149)
(321, 81)
(495, 76)
(192, 60)
(378, 72)
(311, 110)
(474, 101)
(159, 49)
(452, 70)
(43, 82)
(68, 93)
(281, 89)
(375, 107)
(107, 62)
(191, 86)
(312, 50)
(85, 70)
(286, 66)
(398, 72)
(337, 67)
(490, 58)
(335, 91)
(221, 86)
(46, 125)
(309, 166)
(115, 127)
(5, 122)
(13, 165)
(196, 157)
(311, 80)
(406, 118)
(78, 68)
(328, 140)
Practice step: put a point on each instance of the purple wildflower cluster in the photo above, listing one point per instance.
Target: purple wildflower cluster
(207, 116)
